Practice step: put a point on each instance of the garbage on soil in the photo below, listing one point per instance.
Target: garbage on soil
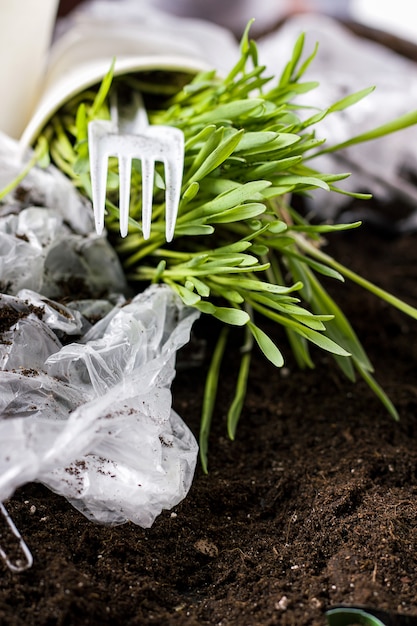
(94, 421)
(86, 370)
(85, 405)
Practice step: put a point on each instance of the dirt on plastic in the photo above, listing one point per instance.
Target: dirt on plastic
(314, 504)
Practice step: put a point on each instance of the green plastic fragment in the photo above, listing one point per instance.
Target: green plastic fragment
(352, 617)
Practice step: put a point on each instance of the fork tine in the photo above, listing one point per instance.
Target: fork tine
(173, 180)
(174, 166)
(98, 187)
(125, 171)
(98, 172)
(148, 173)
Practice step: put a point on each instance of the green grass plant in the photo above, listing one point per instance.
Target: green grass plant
(241, 252)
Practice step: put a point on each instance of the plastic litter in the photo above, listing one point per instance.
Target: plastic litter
(39, 252)
(85, 405)
(18, 564)
(47, 238)
(46, 188)
(347, 615)
(95, 423)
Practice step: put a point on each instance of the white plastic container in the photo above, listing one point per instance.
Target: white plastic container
(150, 40)
(26, 28)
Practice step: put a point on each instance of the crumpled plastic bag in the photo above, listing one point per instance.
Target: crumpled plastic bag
(85, 405)
(39, 252)
(47, 238)
(48, 188)
(94, 423)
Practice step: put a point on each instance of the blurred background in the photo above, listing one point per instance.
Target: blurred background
(396, 17)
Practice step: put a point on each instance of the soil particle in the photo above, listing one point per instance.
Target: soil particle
(8, 318)
(10, 315)
(313, 505)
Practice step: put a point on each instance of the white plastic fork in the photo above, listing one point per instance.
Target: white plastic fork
(129, 139)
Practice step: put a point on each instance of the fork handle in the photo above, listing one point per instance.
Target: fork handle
(141, 118)
(135, 121)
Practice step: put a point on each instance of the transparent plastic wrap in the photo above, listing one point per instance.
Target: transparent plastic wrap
(95, 423)
(41, 187)
(38, 251)
(47, 238)
(85, 400)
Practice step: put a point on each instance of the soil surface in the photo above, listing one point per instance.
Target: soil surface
(313, 505)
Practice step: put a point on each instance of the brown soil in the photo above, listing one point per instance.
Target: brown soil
(313, 505)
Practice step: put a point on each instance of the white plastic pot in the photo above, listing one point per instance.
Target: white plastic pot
(26, 28)
(153, 41)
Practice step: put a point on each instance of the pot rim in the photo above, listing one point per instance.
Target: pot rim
(84, 76)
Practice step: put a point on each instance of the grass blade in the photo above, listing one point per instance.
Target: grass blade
(209, 398)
